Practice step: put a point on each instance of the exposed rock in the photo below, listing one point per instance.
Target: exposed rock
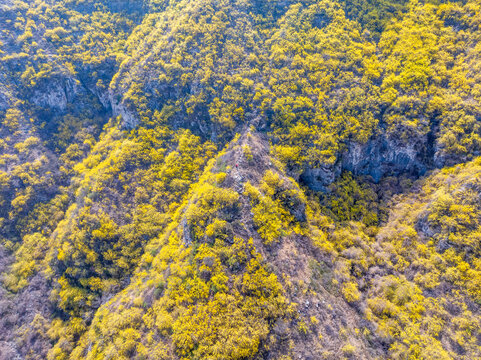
(118, 108)
(442, 246)
(423, 227)
(57, 94)
(377, 158)
(383, 156)
(8, 351)
(319, 179)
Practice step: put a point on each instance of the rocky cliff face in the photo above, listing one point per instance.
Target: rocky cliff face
(377, 158)
(386, 157)
(58, 93)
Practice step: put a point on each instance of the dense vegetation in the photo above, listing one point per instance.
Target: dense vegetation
(240, 179)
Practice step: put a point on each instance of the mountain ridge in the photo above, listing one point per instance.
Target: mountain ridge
(232, 179)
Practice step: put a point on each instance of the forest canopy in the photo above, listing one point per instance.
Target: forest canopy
(240, 179)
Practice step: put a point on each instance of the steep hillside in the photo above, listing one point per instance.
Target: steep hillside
(240, 179)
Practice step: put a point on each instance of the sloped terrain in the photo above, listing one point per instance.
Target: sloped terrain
(240, 179)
